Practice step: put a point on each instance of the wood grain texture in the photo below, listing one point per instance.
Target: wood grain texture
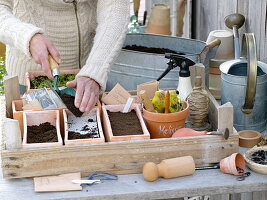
(115, 157)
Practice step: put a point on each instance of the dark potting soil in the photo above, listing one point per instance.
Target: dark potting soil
(259, 157)
(150, 49)
(69, 102)
(75, 135)
(125, 123)
(42, 133)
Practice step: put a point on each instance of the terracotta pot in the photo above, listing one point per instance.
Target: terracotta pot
(107, 125)
(159, 21)
(169, 168)
(215, 77)
(31, 118)
(226, 48)
(95, 111)
(35, 73)
(249, 138)
(163, 125)
(18, 115)
(228, 165)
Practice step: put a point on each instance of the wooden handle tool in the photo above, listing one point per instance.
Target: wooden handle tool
(136, 7)
(146, 101)
(169, 168)
(53, 66)
(167, 101)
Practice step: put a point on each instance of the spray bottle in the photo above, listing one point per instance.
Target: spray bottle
(184, 84)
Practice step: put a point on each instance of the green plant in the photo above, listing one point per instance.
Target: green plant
(41, 81)
(3, 73)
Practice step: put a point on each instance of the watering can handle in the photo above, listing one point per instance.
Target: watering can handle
(213, 43)
(249, 49)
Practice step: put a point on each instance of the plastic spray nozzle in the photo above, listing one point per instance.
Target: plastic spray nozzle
(177, 61)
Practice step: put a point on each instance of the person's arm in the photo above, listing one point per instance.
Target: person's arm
(25, 37)
(13, 31)
(112, 20)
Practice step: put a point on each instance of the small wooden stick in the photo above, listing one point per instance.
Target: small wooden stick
(167, 101)
(146, 101)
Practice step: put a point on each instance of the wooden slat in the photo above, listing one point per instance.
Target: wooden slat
(260, 195)
(115, 157)
(220, 197)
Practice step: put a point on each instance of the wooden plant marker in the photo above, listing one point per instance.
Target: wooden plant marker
(58, 183)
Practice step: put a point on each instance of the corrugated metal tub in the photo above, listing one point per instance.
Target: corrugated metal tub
(132, 67)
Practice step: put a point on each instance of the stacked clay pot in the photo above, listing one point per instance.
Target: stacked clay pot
(159, 21)
(224, 53)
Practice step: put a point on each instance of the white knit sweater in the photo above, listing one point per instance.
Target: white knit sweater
(98, 40)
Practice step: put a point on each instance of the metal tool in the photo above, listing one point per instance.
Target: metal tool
(86, 181)
(55, 72)
(225, 133)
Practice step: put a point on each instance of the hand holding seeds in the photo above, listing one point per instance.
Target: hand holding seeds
(87, 93)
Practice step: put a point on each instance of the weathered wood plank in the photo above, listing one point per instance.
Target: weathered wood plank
(220, 197)
(260, 195)
(115, 157)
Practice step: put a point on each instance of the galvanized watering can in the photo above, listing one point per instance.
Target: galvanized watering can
(244, 84)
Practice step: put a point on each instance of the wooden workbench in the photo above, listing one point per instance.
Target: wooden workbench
(127, 187)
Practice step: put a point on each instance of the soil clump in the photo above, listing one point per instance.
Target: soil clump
(42, 133)
(69, 102)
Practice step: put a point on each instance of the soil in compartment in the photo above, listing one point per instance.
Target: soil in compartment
(84, 127)
(125, 123)
(42, 133)
(151, 49)
(69, 102)
(41, 81)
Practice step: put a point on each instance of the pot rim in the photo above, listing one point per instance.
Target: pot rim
(249, 138)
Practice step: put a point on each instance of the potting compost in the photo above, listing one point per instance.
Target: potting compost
(82, 127)
(41, 81)
(259, 157)
(69, 102)
(125, 123)
(150, 49)
(42, 133)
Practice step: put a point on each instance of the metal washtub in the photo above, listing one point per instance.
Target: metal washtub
(132, 67)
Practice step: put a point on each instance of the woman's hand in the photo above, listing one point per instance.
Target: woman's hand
(40, 47)
(87, 93)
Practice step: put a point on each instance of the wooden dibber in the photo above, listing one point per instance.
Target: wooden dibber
(146, 101)
(167, 101)
(169, 168)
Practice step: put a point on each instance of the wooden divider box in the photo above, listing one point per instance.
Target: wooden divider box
(35, 118)
(18, 115)
(126, 156)
(85, 124)
(109, 132)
